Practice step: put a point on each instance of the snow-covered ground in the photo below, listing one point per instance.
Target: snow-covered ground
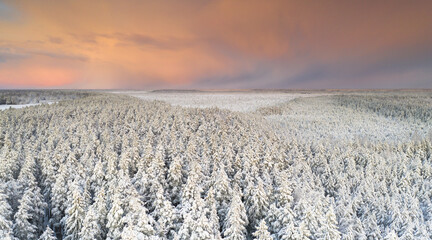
(234, 101)
(4, 107)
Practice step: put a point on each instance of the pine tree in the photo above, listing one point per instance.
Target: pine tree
(327, 227)
(141, 181)
(98, 177)
(6, 230)
(59, 198)
(288, 231)
(29, 217)
(26, 176)
(257, 202)
(196, 224)
(138, 223)
(165, 215)
(192, 188)
(302, 232)
(391, 235)
(371, 227)
(157, 167)
(175, 178)
(236, 220)
(262, 232)
(284, 190)
(222, 190)
(115, 219)
(213, 218)
(100, 206)
(91, 229)
(48, 234)
(74, 215)
(23, 227)
(284, 224)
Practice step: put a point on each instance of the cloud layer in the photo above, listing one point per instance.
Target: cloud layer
(215, 44)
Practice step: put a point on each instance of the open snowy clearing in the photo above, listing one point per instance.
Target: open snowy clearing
(233, 101)
(7, 106)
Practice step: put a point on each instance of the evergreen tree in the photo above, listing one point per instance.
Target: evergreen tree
(301, 232)
(59, 198)
(222, 190)
(75, 215)
(91, 228)
(165, 215)
(236, 220)
(138, 223)
(175, 178)
(100, 206)
(6, 230)
(196, 224)
(48, 234)
(332, 231)
(213, 218)
(391, 235)
(29, 217)
(262, 232)
(257, 202)
(98, 177)
(115, 219)
(23, 227)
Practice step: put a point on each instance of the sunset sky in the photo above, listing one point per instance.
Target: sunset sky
(215, 44)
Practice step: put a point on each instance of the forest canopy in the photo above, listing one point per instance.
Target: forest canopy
(106, 166)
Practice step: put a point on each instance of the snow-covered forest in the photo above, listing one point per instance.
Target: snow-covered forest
(110, 166)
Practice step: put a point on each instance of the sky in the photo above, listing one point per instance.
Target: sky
(203, 44)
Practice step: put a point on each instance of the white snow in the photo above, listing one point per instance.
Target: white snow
(4, 107)
(234, 101)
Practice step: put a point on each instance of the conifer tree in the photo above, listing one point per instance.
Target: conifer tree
(115, 219)
(91, 228)
(236, 220)
(59, 198)
(74, 215)
(391, 235)
(29, 217)
(196, 224)
(23, 227)
(213, 218)
(257, 202)
(48, 234)
(175, 178)
(164, 213)
(262, 232)
(6, 230)
(138, 223)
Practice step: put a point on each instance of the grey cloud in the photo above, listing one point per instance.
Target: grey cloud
(9, 54)
(168, 43)
(7, 13)
(59, 55)
(86, 38)
(6, 55)
(56, 40)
